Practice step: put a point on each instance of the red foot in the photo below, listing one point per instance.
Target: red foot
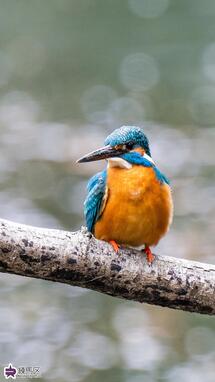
(149, 255)
(114, 245)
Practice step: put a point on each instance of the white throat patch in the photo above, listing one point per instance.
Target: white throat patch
(119, 162)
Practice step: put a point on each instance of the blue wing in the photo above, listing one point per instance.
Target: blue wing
(94, 202)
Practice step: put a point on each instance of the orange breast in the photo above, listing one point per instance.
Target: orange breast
(138, 209)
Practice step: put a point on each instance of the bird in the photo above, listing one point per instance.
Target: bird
(129, 203)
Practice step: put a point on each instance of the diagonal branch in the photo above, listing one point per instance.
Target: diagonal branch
(77, 258)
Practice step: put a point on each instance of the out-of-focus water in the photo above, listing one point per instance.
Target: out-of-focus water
(70, 73)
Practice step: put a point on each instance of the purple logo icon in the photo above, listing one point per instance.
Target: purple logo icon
(10, 372)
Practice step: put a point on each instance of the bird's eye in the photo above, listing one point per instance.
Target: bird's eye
(129, 146)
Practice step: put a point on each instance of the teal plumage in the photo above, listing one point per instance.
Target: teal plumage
(93, 203)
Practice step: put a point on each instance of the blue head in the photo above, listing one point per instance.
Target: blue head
(119, 142)
(130, 136)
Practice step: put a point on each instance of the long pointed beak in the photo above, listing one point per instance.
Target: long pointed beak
(103, 153)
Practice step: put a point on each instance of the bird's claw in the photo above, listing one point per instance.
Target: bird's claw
(114, 245)
(149, 255)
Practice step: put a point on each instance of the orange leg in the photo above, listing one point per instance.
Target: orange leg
(149, 255)
(114, 245)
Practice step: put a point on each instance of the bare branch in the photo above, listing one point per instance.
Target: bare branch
(77, 258)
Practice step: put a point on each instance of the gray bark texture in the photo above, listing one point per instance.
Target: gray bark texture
(78, 259)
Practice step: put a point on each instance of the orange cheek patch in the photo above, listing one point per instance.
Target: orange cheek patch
(139, 150)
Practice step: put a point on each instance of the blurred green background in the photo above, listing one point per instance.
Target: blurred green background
(71, 71)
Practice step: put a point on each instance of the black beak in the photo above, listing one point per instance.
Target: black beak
(103, 153)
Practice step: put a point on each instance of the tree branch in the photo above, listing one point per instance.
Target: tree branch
(77, 258)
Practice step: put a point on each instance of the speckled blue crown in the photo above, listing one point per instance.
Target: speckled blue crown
(129, 134)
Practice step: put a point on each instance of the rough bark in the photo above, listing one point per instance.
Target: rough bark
(77, 258)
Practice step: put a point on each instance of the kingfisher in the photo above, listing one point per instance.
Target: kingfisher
(130, 202)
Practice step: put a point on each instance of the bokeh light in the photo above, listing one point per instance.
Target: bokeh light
(209, 62)
(96, 101)
(148, 8)
(202, 105)
(139, 72)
